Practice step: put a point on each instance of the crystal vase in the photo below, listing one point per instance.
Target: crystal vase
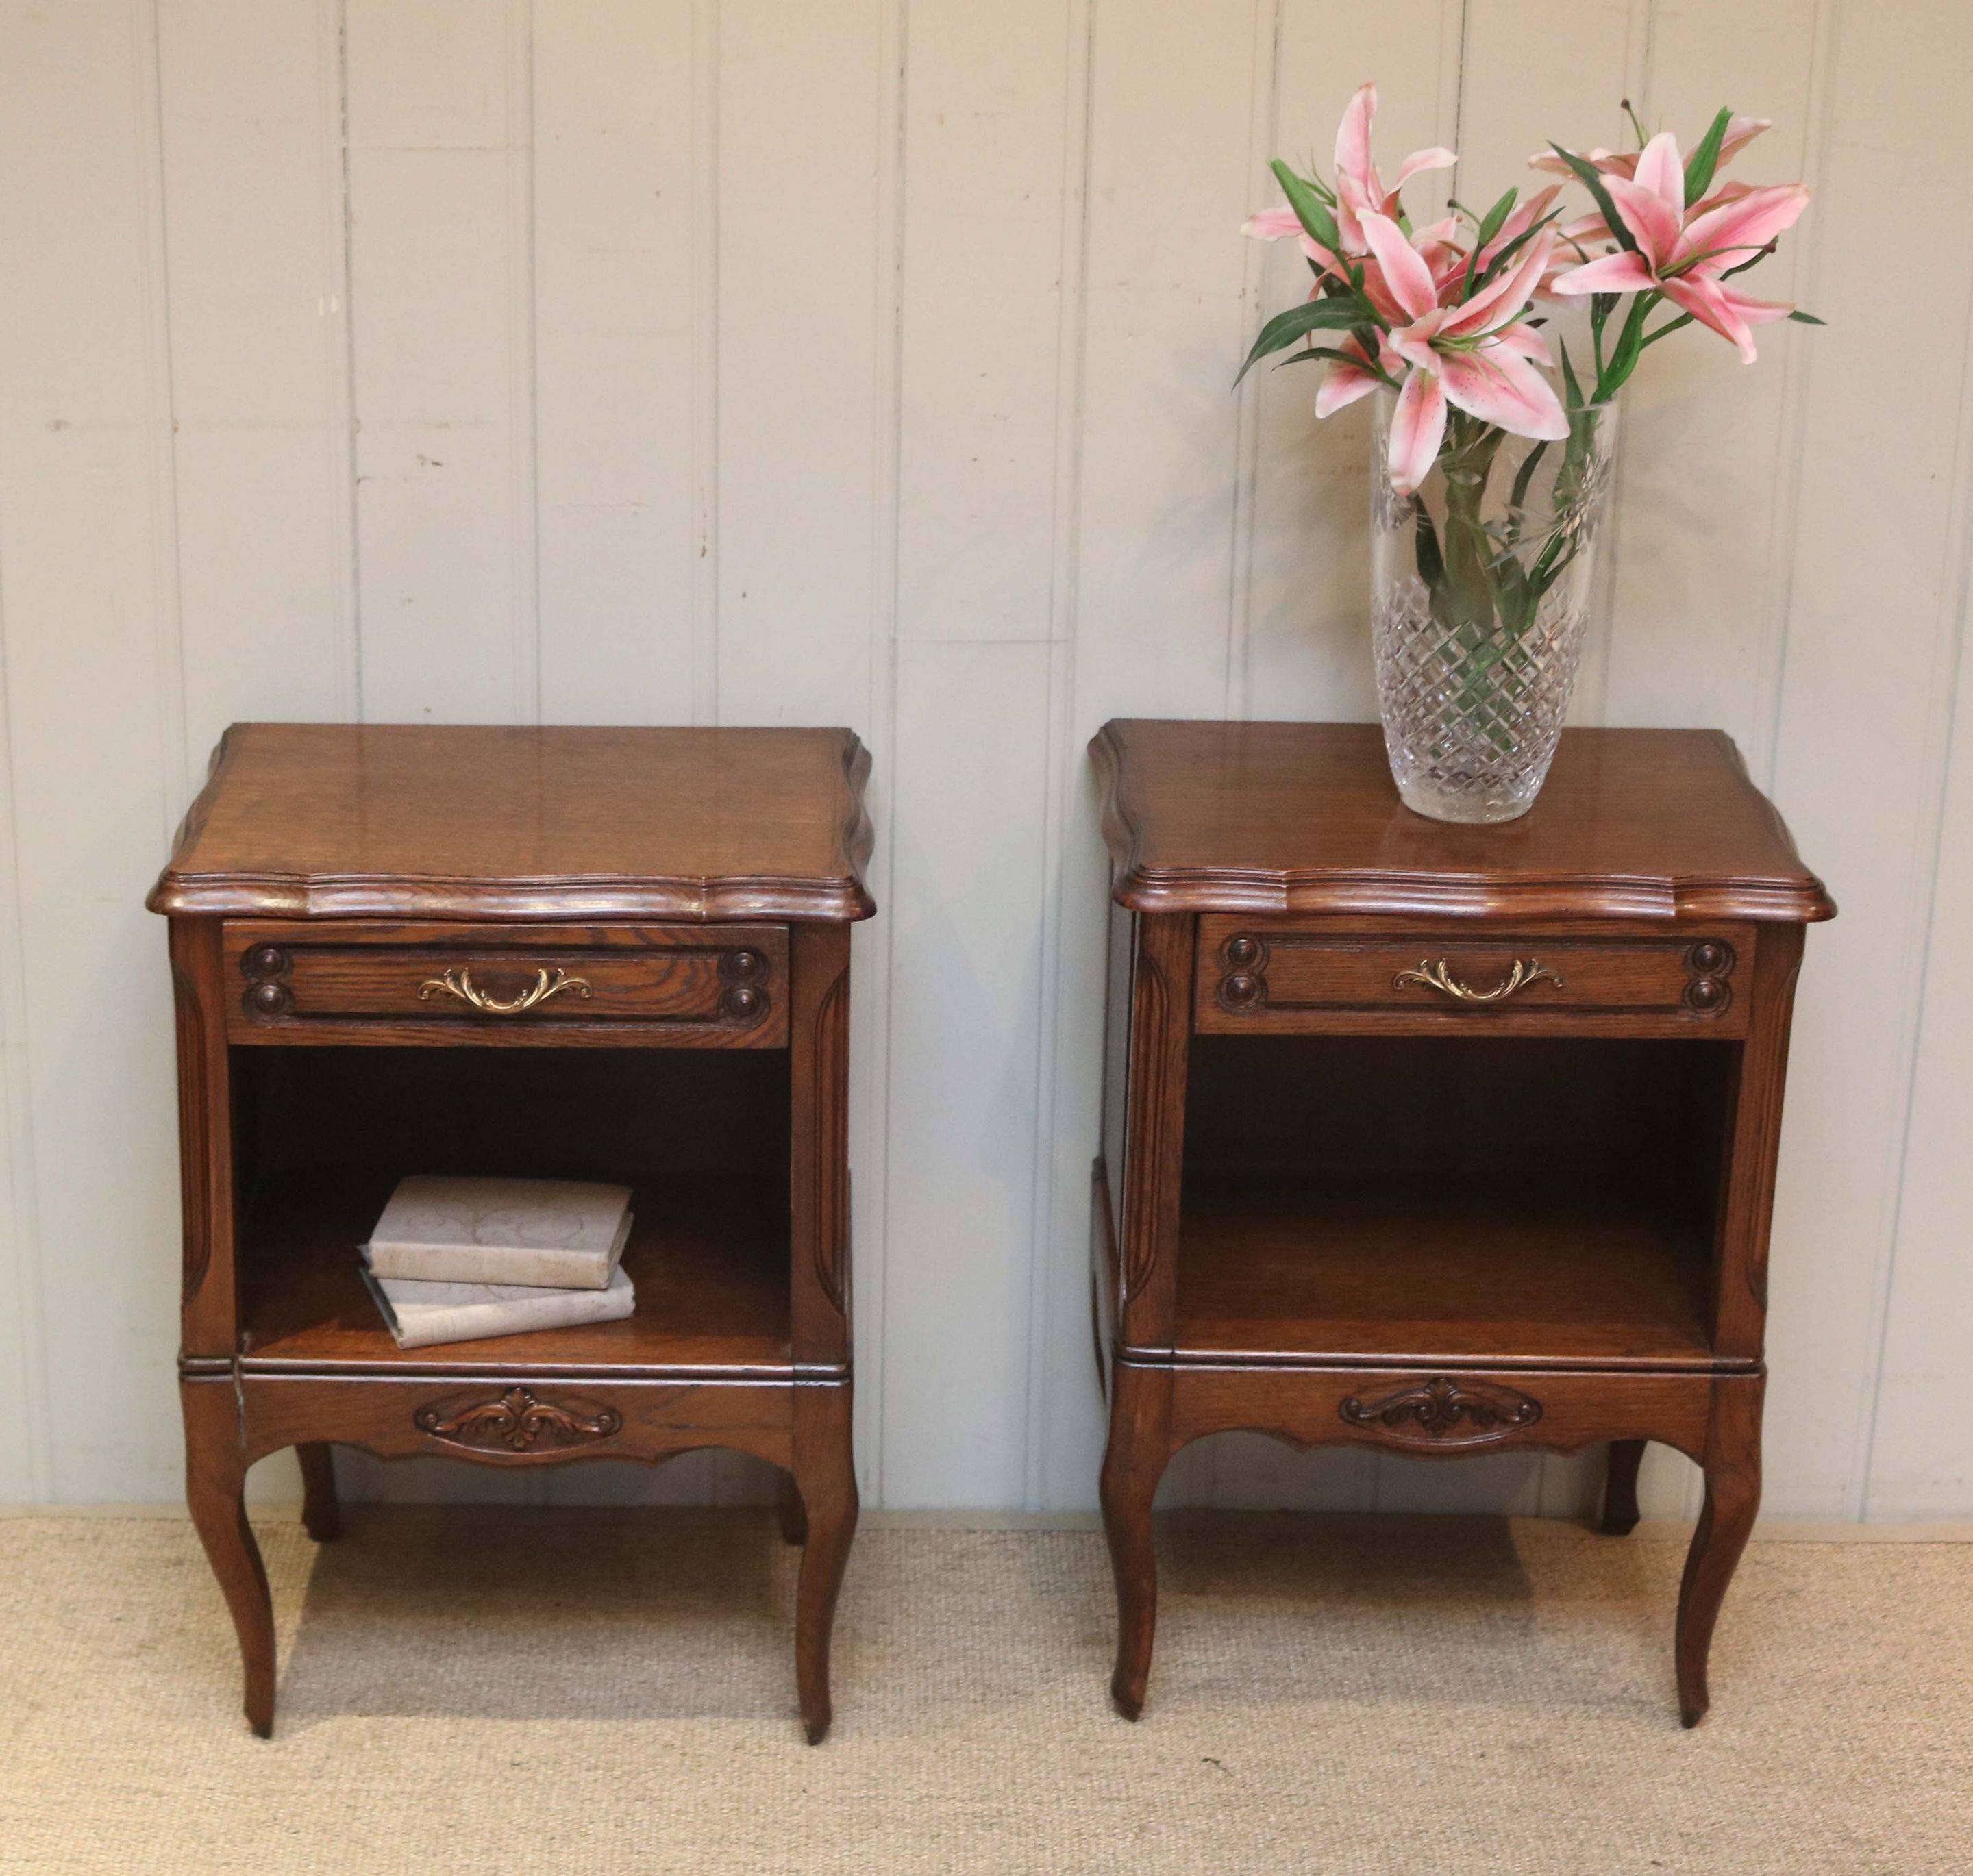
(1481, 596)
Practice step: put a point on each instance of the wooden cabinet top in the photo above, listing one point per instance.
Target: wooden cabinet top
(1303, 818)
(392, 820)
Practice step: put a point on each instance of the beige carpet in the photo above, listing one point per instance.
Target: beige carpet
(470, 1691)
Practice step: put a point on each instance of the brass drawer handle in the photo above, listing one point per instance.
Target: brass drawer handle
(457, 981)
(1436, 977)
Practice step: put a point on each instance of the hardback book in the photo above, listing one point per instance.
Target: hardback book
(420, 1314)
(546, 1234)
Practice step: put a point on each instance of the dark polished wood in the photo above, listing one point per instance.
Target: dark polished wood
(378, 981)
(322, 820)
(643, 937)
(1302, 817)
(1440, 1140)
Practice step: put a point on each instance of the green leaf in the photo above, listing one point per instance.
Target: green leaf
(1701, 164)
(1308, 207)
(1585, 173)
(1807, 318)
(1331, 352)
(1490, 224)
(1312, 316)
(1630, 343)
(1431, 562)
(1568, 377)
(1505, 257)
(1495, 219)
(1518, 499)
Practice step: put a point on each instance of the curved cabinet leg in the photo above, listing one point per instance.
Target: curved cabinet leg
(1140, 1423)
(1619, 1487)
(788, 1510)
(825, 1475)
(215, 1484)
(322, 1512)
(1732, 1497)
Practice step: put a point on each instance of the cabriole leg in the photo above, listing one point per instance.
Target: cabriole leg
(826, 1478)
(322, 1512)
(1139, 1414)
(788, 1510)
(1732, 1497)
(215, 1485)
(1619, 1487)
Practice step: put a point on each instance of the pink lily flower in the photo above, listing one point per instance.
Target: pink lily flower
(1477, 354)
(1524, 218)
(1740, 132)
(1685, 256)
(1359, 188)
(1343, 383)
(1360, 191)
(1270, 224)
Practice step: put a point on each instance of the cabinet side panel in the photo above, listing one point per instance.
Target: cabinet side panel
(1117, 1042)
(819, 1156)
(1740, 1302)
(205, 1137)
(1154, 1152)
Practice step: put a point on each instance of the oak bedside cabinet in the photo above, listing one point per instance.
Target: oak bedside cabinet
(615, 954)
(1440, 1139)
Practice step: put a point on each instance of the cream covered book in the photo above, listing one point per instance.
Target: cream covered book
(545, 1234)
(421, 1314)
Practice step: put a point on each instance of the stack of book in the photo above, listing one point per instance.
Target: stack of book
(457, 1260)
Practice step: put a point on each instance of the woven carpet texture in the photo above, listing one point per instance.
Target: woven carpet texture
(469, 1689)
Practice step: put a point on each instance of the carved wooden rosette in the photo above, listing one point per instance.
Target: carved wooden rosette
(1708, 965)
(265, 967)
(1441, 1413)
(517, 1424)
(744, 973)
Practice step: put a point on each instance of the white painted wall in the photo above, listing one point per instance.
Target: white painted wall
(866, 362)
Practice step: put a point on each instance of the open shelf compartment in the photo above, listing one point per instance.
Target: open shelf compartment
(1484, 1199)
(701, 1136)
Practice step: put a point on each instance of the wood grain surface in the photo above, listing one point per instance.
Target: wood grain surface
(382, 820)
(1303, 817)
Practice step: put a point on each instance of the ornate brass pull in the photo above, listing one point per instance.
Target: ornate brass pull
(1436, 977)
(457, 981)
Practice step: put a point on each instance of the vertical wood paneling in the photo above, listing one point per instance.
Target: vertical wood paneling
(869, 362)
(26, 1471)
(1165, 306)
(441, 282)
(982, 348)
(1860, 766)
(969, 771)
(252, 167)
(1693, 637)
(615, 288)
(1064, 1417)
(1920, 1456)
(983, 179)
(799, 334)
(89, 605)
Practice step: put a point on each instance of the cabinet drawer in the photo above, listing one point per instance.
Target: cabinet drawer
(1258, 974)
(722, 985)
